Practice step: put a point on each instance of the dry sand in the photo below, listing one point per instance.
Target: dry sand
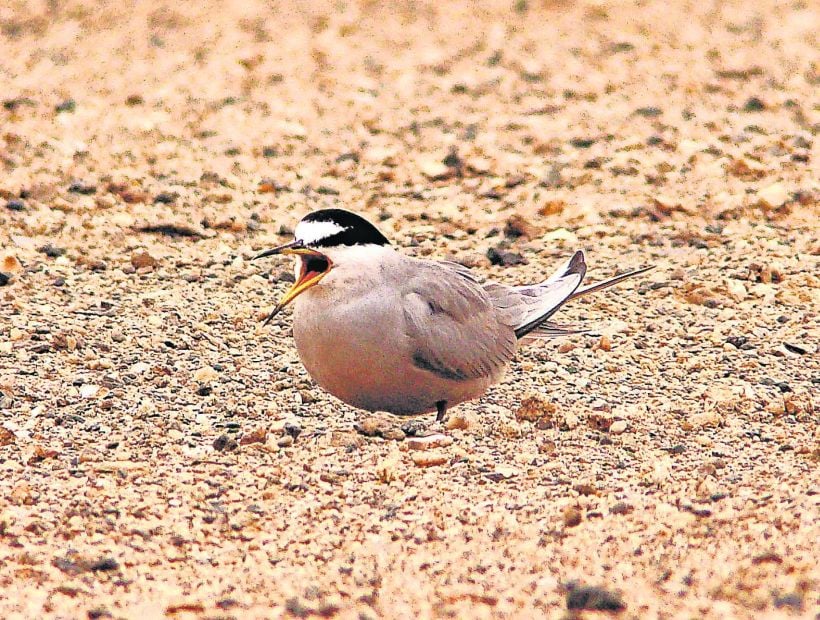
(147, 422)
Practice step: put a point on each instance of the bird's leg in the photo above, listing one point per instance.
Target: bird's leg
(441, 408)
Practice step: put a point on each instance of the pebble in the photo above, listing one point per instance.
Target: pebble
(438, 440)
(206, 374)
(89, 391)
(6, 437)
(373, 426)
(257, 435)
(593, 598)
(621, 508)
(773, 196)
(435, 170)
(517, 226)
(429, 458)
(225, 443)
(460, 420)
(285, 442)
(142, 259)
(10, 264)
(572, 517)
(294, 429)
(505, 258)
(618, 427)
(538, 410)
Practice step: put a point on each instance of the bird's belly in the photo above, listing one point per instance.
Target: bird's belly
(362, 355)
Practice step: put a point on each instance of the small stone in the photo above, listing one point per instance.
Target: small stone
(4, 279)
(21, 494)
(7, 437)
(89, 391)
(571, 421)
(773, 196)
(460, 420)
(621, 508)
(374, 426)
(52, 251)
(793, 601)
(142, 259)
(561, 234)
(427, 442)
(139, 368)
(593, 598)
(370, 426)
(294, 429)
(605, 343)
(16, 205)
(10, 264)
(206, 374)
(69, 105)
(618, 427)
(572, 517)
(429, 458)
(225, 443)
(435, 170)
(552, 207)
(538, 410)
(517, 226)
(77, 187)
(257, 435)
(505, 258)
(754, 104)
(285, 442)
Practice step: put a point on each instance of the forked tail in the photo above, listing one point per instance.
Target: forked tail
(563, 286)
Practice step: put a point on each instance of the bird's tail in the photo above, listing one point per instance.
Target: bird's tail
(562, 286)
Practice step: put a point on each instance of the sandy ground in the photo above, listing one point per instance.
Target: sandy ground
(162, 455)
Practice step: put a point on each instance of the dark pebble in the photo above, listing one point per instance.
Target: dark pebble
(69, 105)
(650, 112)
(77, 187)
(593, 598)
(293, 429)
(16, 205)
(621, 508)
(754, 104)
(794, 348)
(52, 251)
(225, 443)
(59, 282)
(737, 341)
(505, 258)
(165, 198)
(105, 564)
(4, 279)
(582, 143)
(793, 601)
(204, 390)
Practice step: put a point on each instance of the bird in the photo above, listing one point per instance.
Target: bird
(387, 332)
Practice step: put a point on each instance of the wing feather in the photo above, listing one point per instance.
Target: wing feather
(454, 328)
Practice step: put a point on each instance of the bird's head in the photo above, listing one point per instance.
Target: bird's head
(323, 240)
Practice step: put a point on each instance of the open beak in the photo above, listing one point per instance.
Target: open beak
(310, 273)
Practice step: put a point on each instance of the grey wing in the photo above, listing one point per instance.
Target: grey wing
(452, 324)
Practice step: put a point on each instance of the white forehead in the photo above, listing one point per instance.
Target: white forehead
(311, 232)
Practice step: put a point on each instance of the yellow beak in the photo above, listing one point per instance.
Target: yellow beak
(306, 279)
